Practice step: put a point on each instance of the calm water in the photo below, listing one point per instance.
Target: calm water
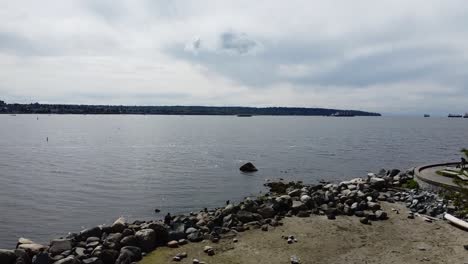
(94, 169)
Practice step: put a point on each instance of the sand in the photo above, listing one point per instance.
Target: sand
(344, 240)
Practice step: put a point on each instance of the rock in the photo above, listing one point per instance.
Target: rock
(41, 258)
(108, 256)
(294, 260)
(183, 242)
(92, 239)
(176, 258)
(195, 261)
(93, 260)
(248, 167)
(58, 246)
(465, 247)
(129, 241)
(146, 239)
(161, 232)
(33, 248)
(68, 260)
(266, 211)
(381, 215)
(113, 241)
(303, 214)
(295, 193)
(245, 216)
(23, 240)
(235, 240)
(173, 244)
(134, 253)
(182, 255)
(119, 225)
(91, 232)
(127, 232)
(209, 250)
(7, 256)
(178, 232)
(195, 236)
(264, 227)
(79, 251)
(22, 257)
(364, 220)
(394, 172)
(305, 198)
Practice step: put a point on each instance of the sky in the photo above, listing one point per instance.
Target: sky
(387, 56)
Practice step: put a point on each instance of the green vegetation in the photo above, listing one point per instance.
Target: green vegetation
(464, 151)
(411, 184)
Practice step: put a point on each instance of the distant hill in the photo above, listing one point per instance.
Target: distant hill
(37, 108)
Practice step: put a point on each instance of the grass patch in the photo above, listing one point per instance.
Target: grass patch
(411, 184)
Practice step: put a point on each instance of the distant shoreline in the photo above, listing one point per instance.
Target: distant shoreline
(37, 108)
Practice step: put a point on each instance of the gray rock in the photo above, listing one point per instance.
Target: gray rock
(108, 256)
(146, 239)
(161, 232)
(134, 253)
(129, 241)
(248, 167)
(195, 236)
(92, 239)
(119, 225)
(58, 246)
(32, 249)
(245, 216)
(22, 257)
(7, 256)
(68, 260)
(93, 260)
(266, 211)
(381, 215)
(41, 258)
(91, 232)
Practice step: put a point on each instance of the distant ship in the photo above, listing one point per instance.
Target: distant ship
(342, 114)
(426, 115)
(455, 115)
(244, 115)
(466, 115)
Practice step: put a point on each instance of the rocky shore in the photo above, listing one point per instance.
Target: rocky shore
(126, 243)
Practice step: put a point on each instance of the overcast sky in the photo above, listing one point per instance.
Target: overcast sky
(395, 56)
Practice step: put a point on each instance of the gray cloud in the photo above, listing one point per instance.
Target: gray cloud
(330, 54)
(237, 42)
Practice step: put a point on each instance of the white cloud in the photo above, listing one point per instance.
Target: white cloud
(388, 56)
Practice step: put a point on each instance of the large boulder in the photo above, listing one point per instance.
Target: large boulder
(7, 256)
(146, 239)
(91, 232)
(58, 246)
(248, 167)
(41, 258)
(128, 255)
(22, 257)
(266, 211)
(32, 249)
(129, 241)
(108, 256)
(161, 232)
(245, 216)
(119, 225)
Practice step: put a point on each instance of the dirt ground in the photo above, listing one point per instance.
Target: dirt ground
(344, 240)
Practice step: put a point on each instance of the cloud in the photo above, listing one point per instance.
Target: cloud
(237, 42)
(300, 53)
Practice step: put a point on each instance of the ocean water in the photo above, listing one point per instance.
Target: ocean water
(94, 169)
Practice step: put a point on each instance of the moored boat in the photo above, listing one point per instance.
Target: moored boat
(454, 115)
(427, 115)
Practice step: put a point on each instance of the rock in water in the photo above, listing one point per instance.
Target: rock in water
(248, 167)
